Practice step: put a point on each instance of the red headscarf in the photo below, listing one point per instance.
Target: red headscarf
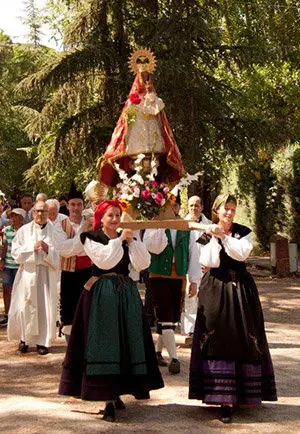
(101, 209)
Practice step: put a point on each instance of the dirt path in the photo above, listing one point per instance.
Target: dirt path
(29, 401)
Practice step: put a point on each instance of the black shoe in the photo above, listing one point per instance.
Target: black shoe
(119, 404)
(160, 360)
(4, 321)
(42, 350)
(23, 347)
(109, 413)
(174, 366)
(226, 412)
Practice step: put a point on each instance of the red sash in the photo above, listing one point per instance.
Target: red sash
(82, 262)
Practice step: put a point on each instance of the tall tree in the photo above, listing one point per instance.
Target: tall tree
(32, 20)
(16, 62)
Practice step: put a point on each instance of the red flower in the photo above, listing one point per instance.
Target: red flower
(145, 194)
(135, 98)
(158, 198)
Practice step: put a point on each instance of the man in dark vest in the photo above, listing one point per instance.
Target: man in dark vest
(174, 254)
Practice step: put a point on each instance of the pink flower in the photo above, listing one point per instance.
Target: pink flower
(145, 194)
(158, 198)
(166, 190)
(154, 184)
(136, 192)
(135, 98)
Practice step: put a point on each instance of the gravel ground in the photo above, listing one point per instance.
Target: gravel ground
(29, 382)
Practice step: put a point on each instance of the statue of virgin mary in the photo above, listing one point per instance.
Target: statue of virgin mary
(142, 128)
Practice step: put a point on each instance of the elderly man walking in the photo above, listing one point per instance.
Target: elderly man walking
(195, 207)
(32, 314)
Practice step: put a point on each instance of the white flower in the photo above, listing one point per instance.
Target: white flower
(125, 189)
(139, 158)
(154, 171)
(153, 195)
(187, 180)
(136, 192)
(123, 175)
(150, 177)
(126, 196)
(132, 182)
(163, 202)
(138, 169)
(153, 162)
(138, 178)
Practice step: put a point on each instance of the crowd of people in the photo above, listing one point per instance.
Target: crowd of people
(68, 267)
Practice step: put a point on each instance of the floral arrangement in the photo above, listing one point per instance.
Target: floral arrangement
(143, 193)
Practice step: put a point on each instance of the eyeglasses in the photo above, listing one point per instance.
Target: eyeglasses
(40, 211)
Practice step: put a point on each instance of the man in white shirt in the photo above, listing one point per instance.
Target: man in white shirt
(76, 266)
(32, 314)
(195, 207)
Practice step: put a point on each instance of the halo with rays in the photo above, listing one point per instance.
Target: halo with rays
(142, 60)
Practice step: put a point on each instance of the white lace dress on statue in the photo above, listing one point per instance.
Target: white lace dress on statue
(144, 134)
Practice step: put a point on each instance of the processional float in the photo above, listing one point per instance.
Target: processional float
(142, 165)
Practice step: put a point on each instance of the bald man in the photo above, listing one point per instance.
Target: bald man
(195, 207)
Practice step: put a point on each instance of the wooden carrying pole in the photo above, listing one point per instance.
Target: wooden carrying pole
(178, 224)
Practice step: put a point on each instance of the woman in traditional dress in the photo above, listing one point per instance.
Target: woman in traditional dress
(111, 350)
(230, 361)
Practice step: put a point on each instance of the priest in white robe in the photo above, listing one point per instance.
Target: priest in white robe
(32, 315)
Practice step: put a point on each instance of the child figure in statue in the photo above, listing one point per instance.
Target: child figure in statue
(144, 135)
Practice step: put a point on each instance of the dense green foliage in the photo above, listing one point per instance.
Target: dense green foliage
(16, 62)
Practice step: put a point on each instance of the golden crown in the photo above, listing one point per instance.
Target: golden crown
(142, 60)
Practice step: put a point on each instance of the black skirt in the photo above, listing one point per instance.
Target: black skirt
(230, 359)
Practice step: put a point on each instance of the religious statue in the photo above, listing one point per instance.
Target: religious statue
(142, 128)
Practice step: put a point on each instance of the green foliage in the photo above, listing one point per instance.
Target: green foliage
(16, 62)
(286, 167)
